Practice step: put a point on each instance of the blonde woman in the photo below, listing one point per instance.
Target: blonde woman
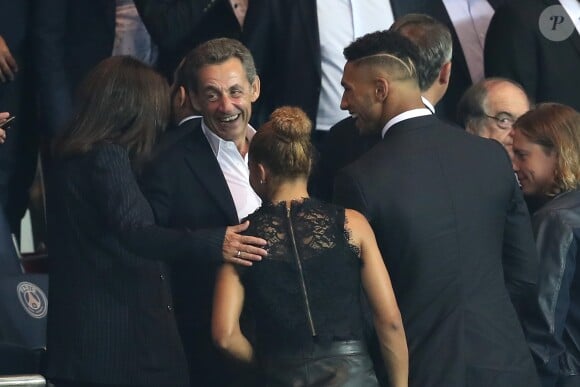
(305, 292)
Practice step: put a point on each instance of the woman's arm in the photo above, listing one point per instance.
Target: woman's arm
(227, 307)
(377, 285)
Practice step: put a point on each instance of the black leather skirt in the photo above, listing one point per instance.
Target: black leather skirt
(344, 364)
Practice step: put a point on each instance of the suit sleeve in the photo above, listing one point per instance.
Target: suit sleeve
(520, 258)
(128, 214)
(171, 22)
(510, 47)
(50, 22)
(158, 186)
(558, 248)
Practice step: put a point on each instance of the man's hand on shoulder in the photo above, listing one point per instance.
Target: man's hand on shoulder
(242, 249)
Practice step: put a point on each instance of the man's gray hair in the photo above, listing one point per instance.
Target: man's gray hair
(433, 40)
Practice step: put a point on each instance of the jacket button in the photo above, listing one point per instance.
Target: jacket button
(162, 276)
(170, 308)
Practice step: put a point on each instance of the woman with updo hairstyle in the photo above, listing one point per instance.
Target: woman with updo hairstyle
(547, 162)
(305, 294)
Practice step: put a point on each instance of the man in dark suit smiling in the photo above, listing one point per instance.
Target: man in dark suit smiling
(201, 181)
(445, 207)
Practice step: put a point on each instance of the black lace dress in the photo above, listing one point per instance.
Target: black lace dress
(305, 296)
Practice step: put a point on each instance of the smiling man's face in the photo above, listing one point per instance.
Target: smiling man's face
(225, 97)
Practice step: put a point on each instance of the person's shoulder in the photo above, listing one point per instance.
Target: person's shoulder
(354, 217)
(177, 142)
(344, 126)
(567, 203)
(521, 11)
(107, 153)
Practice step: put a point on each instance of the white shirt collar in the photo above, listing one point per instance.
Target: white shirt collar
(428, 104)
(405, 116)
(216, 142)
(188, 118)
(235, 170)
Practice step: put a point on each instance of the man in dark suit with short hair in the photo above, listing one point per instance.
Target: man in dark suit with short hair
(445, 208)
(200, 181)
(344, 144)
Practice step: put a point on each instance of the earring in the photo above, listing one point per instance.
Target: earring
(262, 181)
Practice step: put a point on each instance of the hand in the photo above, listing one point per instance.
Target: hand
(8, 65)
(3, 117)
(242, 249)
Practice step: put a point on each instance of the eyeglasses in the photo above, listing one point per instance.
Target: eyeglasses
(503, 121)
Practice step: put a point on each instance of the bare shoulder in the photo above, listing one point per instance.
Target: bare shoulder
(357, 226)
(355, 219)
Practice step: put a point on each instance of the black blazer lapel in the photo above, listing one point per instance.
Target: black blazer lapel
(203, 163)
(310, 20)
(575, 40)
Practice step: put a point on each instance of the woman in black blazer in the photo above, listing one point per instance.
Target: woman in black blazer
(110, 320)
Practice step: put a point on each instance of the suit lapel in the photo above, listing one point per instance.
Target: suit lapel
(575, 40)
(203, 164)
(309, 19)
(439, 12)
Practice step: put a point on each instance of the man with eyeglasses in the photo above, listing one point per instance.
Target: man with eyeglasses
(490, 107)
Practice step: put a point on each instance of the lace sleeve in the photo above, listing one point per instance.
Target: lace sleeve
(348, 236)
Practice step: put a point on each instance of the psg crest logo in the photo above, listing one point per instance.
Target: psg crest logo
(32, 299)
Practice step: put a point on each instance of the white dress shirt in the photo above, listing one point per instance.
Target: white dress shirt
(572, 8)
(471, 20)
(235, 170)
(340, 22)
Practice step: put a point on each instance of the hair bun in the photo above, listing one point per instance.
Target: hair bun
(291, 123)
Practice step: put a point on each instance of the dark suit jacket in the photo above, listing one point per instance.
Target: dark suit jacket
(110, 319)
(342, 146)
(516, 49)
(186, 188)
(18, 153)
(178, 26)
(295, 54)
(445, 208)
(71, 37)
(460, 78)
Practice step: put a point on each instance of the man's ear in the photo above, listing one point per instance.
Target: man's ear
(181, 96)
(445, 74)
(263, 172)
(255, 89)
(194, 100)
(381, 88)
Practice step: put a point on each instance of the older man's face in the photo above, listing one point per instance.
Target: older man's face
(504, 104)
(225, 97)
